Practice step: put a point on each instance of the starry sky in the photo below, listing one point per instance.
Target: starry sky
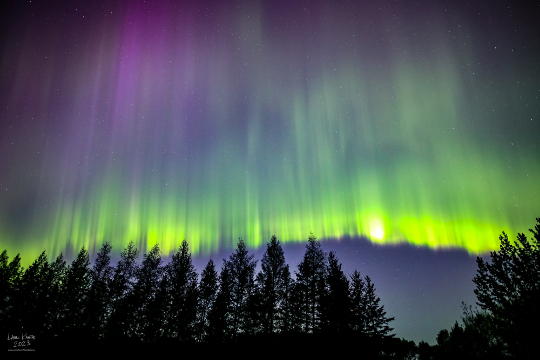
(403, 134)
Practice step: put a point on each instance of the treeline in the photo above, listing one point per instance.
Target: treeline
(508, 292)
(156, 303)
(148, 305)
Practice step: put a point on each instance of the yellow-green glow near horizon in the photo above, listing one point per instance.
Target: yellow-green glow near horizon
(208, 136)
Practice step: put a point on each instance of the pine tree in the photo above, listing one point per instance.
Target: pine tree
(207, 291)
(26, 314)
(219, 316)
(10, 273)
(183, 294)
(357, 319)
(121, 288)
(148, 276)
(337, 304)
(241, 269)
(288, 310)
(74, 293)
(310, 280)
(158, 324)
(253, 313)
(376, 320)
(54, 280)
(271, 281)
(98, 295)
(35, 302)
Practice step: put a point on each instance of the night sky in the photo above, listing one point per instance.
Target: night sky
(404, 134)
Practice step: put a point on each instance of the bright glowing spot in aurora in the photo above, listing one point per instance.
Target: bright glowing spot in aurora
(376, 229)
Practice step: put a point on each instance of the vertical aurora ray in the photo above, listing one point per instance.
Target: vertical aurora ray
(158, 124)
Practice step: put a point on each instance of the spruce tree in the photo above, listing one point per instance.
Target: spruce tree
(219, 316)
(35, 302)
(311, 285)
(272, 281)
(183, 294)
(241, 269)
(253, 314)
(10, 273)
(121, 288)
(54, 279)
(27, 314)
(376, 320)
(357, 317)
(98, 295)
(207, 292)
(337, 303)
(291, 310)
(158, 324)
(142, 299)
(74, 292)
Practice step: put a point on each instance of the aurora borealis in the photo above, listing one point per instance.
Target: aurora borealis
(162, 121)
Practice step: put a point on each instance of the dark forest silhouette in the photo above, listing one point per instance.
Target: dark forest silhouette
(508, 293)
(140, 305)
(155, 303)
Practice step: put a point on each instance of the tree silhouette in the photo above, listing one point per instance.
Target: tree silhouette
(376, 320)
(208, 288)
(508, 288)
(131, 304)
(183, 294)
(366, 315)
(481, 339)
(289, 317)
(121, 287)
(219, 315)
(158, 320)
(272, 281)
(241, 268)
(149, 276)
(473, 340)
(26, 314)
(10, 273)
(53, 282)
(310, 280)
(74, 291)
(337, 303)
(253, 323)
(357, 317)
(98, 295)
(425, 351)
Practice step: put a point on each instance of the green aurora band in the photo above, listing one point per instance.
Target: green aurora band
(251, 133)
